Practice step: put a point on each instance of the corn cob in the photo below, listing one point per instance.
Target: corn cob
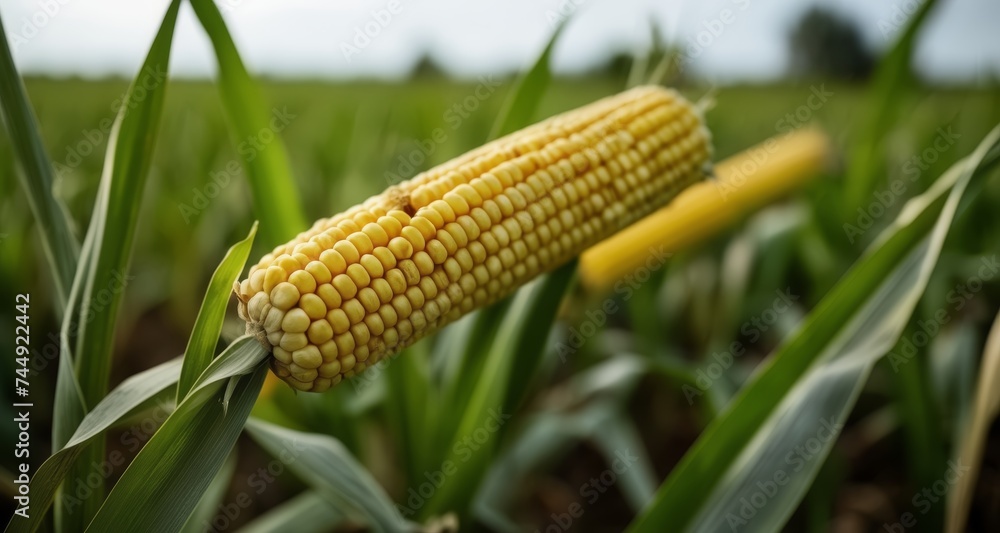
(364, 284)
(744, 181)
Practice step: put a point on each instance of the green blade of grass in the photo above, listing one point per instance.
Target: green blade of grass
(892, 82)
(240, 358)
(326, 465)
(918, 415)
(207, 327)
(69, 406)
(37, 175)
(130, 395)
(276, 201)
(101, 278)
(126, 167)
(527, 358)
(520, 106)
(166, 480)
(408, 407)
(809, 385)
(457, 353)
(528, 319)
(458, 366)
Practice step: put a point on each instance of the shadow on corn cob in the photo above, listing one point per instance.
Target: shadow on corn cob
(364, 284)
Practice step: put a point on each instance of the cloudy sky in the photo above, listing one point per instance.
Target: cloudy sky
(733, 39)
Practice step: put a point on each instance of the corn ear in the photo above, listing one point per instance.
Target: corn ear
(362, 285)
(743, 182)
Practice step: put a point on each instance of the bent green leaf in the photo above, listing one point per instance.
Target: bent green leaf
(103, 269)
(164, 483)
(807, 388)
(328, 467)
(118, 405)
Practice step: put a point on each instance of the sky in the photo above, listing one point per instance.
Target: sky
(728, 40)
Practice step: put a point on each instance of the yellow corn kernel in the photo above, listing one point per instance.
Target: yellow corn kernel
(743, 182)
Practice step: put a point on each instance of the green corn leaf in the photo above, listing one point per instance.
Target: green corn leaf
(125, 400)
(408, 405)
(924, 440)
(102, 276)
(326, 465)
(242, 357)
(204, 516)
(892, 81)
(256, 132)
(207, 327)
(168, 478)
(520, 106)
(804, 392)
(308, 512)
(498, 390)
(37, 175)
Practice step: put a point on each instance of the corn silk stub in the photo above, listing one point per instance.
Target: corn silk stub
(364, 284)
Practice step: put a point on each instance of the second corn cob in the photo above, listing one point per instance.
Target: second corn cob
(364, 284)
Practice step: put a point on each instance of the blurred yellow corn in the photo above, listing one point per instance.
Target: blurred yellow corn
(364, 284)
(743, 182)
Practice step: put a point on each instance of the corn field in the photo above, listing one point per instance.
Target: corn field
(578, 303)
